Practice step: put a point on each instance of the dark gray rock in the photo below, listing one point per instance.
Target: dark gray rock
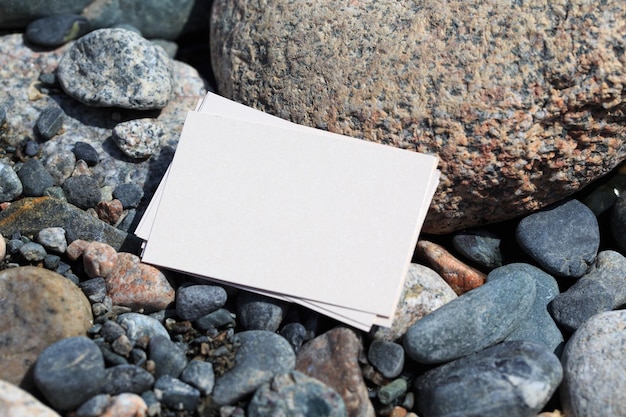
(69, 372)
(480, 318)
(167, 356)
(111, 330)
(295, 333)
(94, 407)
(116, 67)
(387, 357)
(31, 148)
(261, 355)
(126, 378)
(10, 184)
(32, 252)
(49, 122)
(17, 14)
(602, 288)
(538, 326)
(176, 394)
(200, 375)
(216, 319)
(95, 289)
(257, 312)
(618, 222)
(195, 301)
(83, 191)
(54, 31)
(51, 262)
(139, 325)
(35, 178)
(513, 379)
(296, 394)
(86, 152)
(480, 246)
(130, 195)
(563, 238)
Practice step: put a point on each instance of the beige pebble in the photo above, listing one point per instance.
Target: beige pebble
(99, 259)
(15, 402)
(126, 405)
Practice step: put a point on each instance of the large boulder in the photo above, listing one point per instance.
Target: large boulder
(522, 101)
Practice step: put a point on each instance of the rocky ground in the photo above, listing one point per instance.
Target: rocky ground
(515, 318)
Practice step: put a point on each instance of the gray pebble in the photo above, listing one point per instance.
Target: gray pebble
(51, 262)
(130, 195)
(111, 330)
(199, 374)
(139, 325)
(111, 358)
(60, 165)
(257, 312)
(32, 252)
(126, 378)
(122, 346)
(86, 152)
(387, 357)
(167, 356)
(31, 148)
(176, 394)
(35, 178)
(295, 333)
(563, 239)
(94, 289)
(476, 320)
(14, 245)
(538, 326)
(49, 122)
(138, 357)
(602, 288)
(55, 192)
(69, 372)
(116, 68)
(261, 355)
(10, 184)
(513, 379)
(94, 407)
(153, 403)
(53, 239)
(480, 246)
(54, 31)
(195, 301)
(390, 392)
(296, 394)
(214, 320)
(83, 191)
(138, 138)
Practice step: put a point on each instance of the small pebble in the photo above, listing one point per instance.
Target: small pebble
(480, 246)
(195, 301)
(60, 165)
(167, 356)
(99, 259)
(10, 184)
(53, 239)
(49, 122)
(126, 378)
(69, 372)
(94, 289)
(35, 178)
(51, 262)
(54, 31)
(387, 357)
(138, 357)
(139, 325)
(126, 405)
(83, 191)
(153, 403)
(138, 138)
(199, 374)
(258, 312)
(129, 194)
(109, 211)
(295, 333)
(76, 248)
(216, 319)
(176, 394)
(55, 192)
(86, 152)
(31, 148)
(48, 78)
(122, 346)
(32, 252)
(395, 389)
(94, 407)
(563, 238)
(111, 330)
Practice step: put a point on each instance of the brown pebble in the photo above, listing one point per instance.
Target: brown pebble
(76, 248)
(126, 405)
(398, 411)
(137, 285)
(110, 211)
(458, 275)
(99, 259)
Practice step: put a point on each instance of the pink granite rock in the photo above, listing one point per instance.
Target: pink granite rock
(15, 402)
(522, 101)
(99, 259)
(110, 211)
(137, 285)
(75, 249)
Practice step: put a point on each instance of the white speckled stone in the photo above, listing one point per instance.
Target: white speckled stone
(138, 138)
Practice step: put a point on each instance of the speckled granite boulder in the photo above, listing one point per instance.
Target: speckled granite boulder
(520, 102)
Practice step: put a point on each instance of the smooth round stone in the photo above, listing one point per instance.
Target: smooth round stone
(54, 31)
(53, 239)
(296, 394)
(35, 178)
(480, 246)
(476, 320)
(200, 375)
(167, 356)
(116, 67)
(130, 195)
(15, 402)
(32, 252)
(257, 312)
(563, 238)
(86, 152)
(31, 148)
(195, 301)
(10, 184)
(49, 122)
(261, 355)
(138, 138)
(139, 325)
(35, 316)
(387, 357)
(69, 372)
(513, 379)
(176, 394)
(126, 378)
(593, 365)
(83, 191)
(538, 326)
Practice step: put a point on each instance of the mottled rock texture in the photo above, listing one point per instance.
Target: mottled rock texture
(522, 101)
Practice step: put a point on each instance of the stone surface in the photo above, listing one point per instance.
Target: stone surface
(49, 122)
(126, 378)
(116, 67)
(200, 375)
(195, 301)
(387, 357)
(69, 372)
(126, 405)
(128, 194)
(175, 394)
(602, 288)
(460, 276)
(517, 99)
(424, 291)
(109, 211)
(260, 356)
(563, 238)
(538, 326)
(168, 358)
(333, 359)
(593, 365)
(35, 316)
(480, 246)
(15, 402)
(298, 395)
(83, 191)
(139, 138)
(32, 252)
(258, 312)
(86, 152)
(17, 14)
(472, 322)
(35, 178)
(10, 184)
(99, 259)
(53, 239)
(139, 325)
(56, 30)
(513, 379)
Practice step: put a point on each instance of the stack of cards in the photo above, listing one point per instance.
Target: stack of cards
(295, 213)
